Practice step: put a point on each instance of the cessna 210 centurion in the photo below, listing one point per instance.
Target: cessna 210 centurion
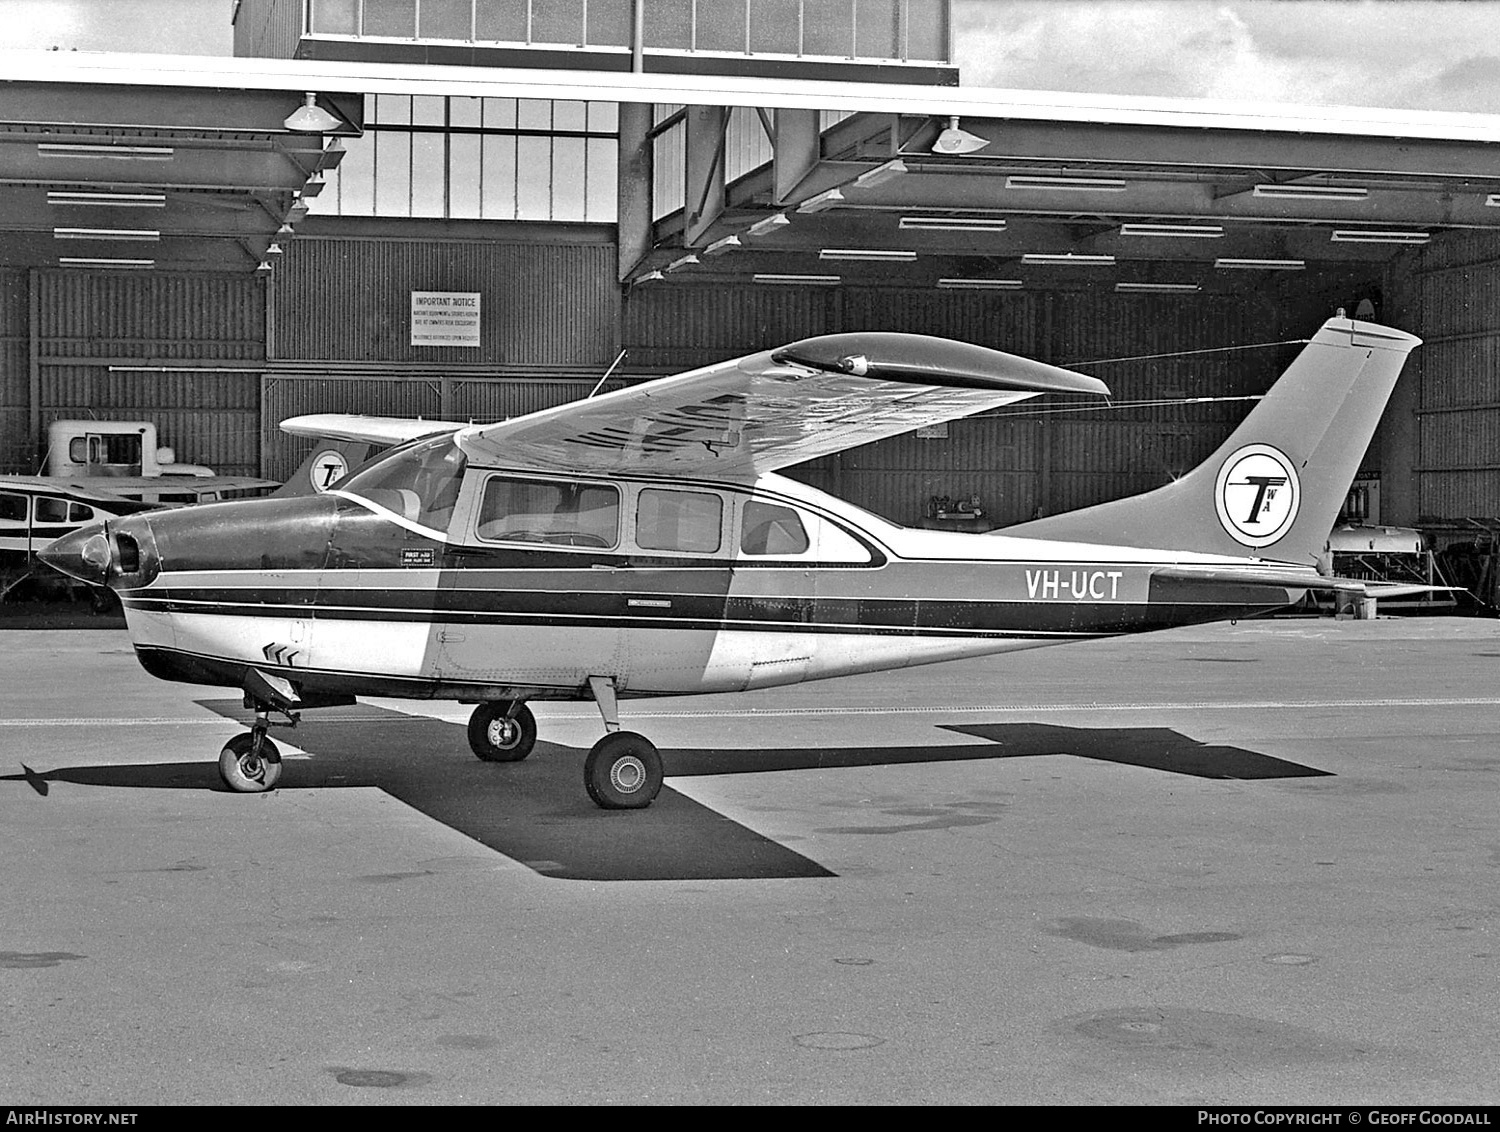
(639, 543)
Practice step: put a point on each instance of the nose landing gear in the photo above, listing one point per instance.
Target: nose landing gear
(250, 763)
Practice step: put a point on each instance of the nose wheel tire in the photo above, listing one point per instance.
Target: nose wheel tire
(499, 735)
(246, 770)
(623, 772)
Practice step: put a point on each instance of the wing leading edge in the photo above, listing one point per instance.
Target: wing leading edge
(740, 418)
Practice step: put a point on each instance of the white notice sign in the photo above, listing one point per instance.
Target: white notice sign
(445, 318)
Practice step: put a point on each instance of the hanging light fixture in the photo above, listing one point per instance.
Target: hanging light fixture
(954, 142)
(310, 118)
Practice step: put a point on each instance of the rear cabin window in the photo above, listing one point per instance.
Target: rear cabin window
(12, 507)
(766, 528)
(544, 511)
(686, 521)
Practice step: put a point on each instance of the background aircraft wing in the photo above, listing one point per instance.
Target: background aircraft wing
(756, 414)
(371, 430)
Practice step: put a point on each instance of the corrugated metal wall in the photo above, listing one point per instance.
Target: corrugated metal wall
(1020, 461)
(1455, 290)
(478, 399)
(15, 447)
(542, 304)
(182, 351)
(268, 28)
(553, 319)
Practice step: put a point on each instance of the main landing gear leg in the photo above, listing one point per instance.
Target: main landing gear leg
(250, 763)
(623, 770)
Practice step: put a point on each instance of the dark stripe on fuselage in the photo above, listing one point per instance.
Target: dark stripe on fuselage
(651, 609)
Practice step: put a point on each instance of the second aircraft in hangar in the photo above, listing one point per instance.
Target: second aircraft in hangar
(640, 544)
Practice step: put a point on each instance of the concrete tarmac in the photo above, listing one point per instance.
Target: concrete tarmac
(1244, 864)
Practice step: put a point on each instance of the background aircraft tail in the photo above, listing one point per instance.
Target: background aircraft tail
(325, 465)
(1273, 489)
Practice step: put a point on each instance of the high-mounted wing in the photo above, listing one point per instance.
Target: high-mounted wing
(737, 419)
(371, 430)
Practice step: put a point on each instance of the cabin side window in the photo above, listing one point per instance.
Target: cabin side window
(12, 507)
(686, 521)
(775, 530)
(549, 511)
(766, 528)
(51, 510)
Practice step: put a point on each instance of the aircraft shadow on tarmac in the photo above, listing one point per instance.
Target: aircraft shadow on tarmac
(536, 812)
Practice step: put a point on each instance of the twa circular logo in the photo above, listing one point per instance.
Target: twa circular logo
(327, 468)
(1257, 495)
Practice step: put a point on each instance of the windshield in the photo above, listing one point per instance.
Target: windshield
(419, 482)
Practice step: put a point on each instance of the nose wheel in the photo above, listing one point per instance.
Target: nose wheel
(250, 763)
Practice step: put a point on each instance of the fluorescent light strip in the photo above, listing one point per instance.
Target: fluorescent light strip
(1068, 258)
(1261, 264)
(108, 152)
(138, 235)
(882, 255)
(807, 280)
(90, 261)
(952, 224)
(685, 261)
(1185, 231)
(1068, 184)
(719, 247)
(1310, 192)
(107, 200)
(1371, 236)
(1157, 288)
(980, 284)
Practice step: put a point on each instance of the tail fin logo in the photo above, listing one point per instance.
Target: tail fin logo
(327, 468)
(1257, 494)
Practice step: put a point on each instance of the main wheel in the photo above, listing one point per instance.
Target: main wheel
(623, 772)
(246, 772)
(498, 735)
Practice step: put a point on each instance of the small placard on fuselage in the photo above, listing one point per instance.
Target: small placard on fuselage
(418, 556)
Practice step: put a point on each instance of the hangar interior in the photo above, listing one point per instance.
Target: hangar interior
(631, 192)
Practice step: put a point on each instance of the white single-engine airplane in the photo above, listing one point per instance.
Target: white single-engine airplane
(639, 544)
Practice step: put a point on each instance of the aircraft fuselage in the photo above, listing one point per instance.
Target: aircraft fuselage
(343, 596)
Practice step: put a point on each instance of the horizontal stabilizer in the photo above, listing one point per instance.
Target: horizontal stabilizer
(1269, 576)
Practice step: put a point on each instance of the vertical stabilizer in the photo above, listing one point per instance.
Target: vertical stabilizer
(1274, 488)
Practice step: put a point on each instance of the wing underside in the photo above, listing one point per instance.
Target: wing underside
(767, 411)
